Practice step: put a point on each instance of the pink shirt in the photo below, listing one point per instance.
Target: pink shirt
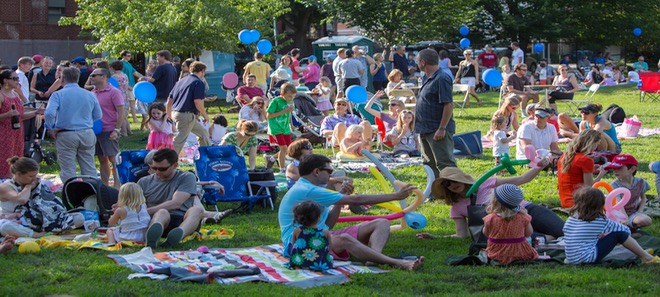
(109, 98)
(458, 210)
(312, 74)
(294, 73)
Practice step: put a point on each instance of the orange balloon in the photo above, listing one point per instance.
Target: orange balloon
(607, 187)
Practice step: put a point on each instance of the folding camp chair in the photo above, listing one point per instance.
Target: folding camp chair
(382, 133)
(461, 88)
(574, 105)
(650, 86)
(226, 165)
(130, 164)
(398, 93)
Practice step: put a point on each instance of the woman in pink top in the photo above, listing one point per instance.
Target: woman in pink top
(452, 185)
(312, 73)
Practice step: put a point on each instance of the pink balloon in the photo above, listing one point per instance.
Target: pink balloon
(617, 212)
(530, 154)
(389, 217)
(230, 80)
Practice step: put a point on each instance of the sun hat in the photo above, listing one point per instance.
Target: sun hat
(622, 160)
(438, 190)
(510, 196)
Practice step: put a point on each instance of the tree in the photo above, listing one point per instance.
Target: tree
(183, 26)
(400, 21)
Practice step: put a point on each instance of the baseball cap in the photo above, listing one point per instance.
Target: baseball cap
(487, 46)
(37, 58)
(311, 58)
(79, 60)
(332, 56)
(542, 112)
(622, 160)
(589, 109)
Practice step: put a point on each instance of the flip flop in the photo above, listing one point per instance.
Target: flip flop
(154, 233)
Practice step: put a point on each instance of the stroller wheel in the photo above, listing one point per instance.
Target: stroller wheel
(37, 156)
(51, 158)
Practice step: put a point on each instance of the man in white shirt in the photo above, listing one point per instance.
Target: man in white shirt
(341, 55)
(537, 133)
(518, 56)
(24, 65)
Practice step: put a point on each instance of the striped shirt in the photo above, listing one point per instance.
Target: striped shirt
(581, 237)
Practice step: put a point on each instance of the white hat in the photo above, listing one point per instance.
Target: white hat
(281, 74)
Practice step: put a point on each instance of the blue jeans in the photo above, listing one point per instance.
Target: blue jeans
(606, 244)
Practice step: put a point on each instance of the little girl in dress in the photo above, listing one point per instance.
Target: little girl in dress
(310, 244)
(323, 103)
(162, 128)
(506, 225)
(131, 215)
(402, 137)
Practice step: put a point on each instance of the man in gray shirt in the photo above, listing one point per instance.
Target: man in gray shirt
(365, 60)
(170, 196)
(351, 70)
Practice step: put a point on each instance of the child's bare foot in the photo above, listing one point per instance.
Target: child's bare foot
(412, 265)
(7, 245)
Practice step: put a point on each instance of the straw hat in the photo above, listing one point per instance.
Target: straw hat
(451, 174)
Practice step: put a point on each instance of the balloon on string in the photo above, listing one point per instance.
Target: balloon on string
(465, 43)
(539, 47)
(464, 30)
(112, 81)
(492, 78)
(229, 80)
(637, 32)
(254, 36)
(264, 46)
(356, 94)
(97, 127)
(144, 91)
(244, 36)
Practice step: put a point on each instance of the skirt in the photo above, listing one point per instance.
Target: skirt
(158, 140)
(324, 105)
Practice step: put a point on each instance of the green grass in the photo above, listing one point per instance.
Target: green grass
(89, 272)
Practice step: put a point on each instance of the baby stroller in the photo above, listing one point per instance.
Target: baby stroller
(308, 118)
(90, 193)
(33, 147)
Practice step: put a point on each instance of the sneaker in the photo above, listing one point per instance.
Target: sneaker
(154, 233)
(174, 237)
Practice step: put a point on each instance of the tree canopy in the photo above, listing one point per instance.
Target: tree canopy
(184, 26)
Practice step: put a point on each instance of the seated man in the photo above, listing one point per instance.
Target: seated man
(170, 195)
(516, 84)
(364, 241)
(335, 125)
(245, 93)
(537, 133)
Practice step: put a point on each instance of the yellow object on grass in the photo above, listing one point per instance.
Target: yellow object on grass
(29, 247)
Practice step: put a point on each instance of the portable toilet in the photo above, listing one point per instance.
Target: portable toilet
(217, 64)
(325, 46)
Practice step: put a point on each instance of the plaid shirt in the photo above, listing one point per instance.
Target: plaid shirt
(435, 92)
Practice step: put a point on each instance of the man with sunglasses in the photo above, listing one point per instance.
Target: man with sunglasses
(364, 241)
(537, 133)
(335, 125)
(170, 196)
(516, 84)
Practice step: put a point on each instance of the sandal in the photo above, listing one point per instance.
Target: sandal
(217, 218)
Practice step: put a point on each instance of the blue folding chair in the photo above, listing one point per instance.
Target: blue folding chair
(130, 163)
(226, 165)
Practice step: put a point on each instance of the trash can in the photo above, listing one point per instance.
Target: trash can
(325, 46)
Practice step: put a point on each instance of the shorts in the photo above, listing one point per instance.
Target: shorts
(175, 221)
(106, 147)
(280, 139)
(470, 81)
(351, 231)
(556, 95)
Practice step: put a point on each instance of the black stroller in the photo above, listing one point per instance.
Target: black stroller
(33, 143)
(90, 193)
(308, 118)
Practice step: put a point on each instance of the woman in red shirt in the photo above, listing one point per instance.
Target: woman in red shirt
(575, 168)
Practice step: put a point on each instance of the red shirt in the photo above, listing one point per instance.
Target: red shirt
(251, 92)
(571, 181)
(488, 60)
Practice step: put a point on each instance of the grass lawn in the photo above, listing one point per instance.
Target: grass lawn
(90, 272)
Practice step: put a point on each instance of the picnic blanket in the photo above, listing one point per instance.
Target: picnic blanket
(233, 266)
(388, 161)
(643, 132)
(81, 240)
(488, 143)
(619, 257)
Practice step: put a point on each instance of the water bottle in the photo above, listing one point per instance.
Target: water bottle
(15, 120)
(419, 80)
(639, 84)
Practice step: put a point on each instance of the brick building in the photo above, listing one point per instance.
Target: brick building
(28, 27)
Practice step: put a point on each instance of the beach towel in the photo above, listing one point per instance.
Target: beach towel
(389, 162)
(233, 266)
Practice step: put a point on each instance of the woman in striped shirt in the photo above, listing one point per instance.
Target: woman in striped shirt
(590, 236)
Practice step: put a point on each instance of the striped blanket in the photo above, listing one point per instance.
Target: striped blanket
(263, 263)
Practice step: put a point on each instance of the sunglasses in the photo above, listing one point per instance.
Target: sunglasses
(95, 75)
(341, 104)
(585, 112)
(394, 104)
(161, 168)
(328, 170)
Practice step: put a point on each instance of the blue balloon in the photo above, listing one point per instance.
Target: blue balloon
(492, 78)
(465, 43)
(415, 220)
(144, 91)
(637, 32)
(244, 36)
(254, 36)
(113, 82)
(464, 30)
(264, 46)
(356, 94)
(98, 127)
(539, 47)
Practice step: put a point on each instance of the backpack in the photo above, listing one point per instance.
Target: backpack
(615, 114)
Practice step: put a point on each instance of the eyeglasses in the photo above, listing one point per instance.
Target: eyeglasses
(161, 168)
(563, 69)
(340, 104)
(406, 112)
(95, 75)
(328, 170)
(308, 147)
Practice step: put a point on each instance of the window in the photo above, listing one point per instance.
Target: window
(55, 10)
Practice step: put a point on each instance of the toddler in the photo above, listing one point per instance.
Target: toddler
(218, 129)
(402, 137)
(279, 121)
(352, 144)
(499, 138)
(131, 214)
(162, 128)
(590, 235)
(311, 244)
(506, 225)
(323, 102)
(625, 168)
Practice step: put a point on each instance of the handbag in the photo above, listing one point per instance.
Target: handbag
(475, 220)
(630, 127)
